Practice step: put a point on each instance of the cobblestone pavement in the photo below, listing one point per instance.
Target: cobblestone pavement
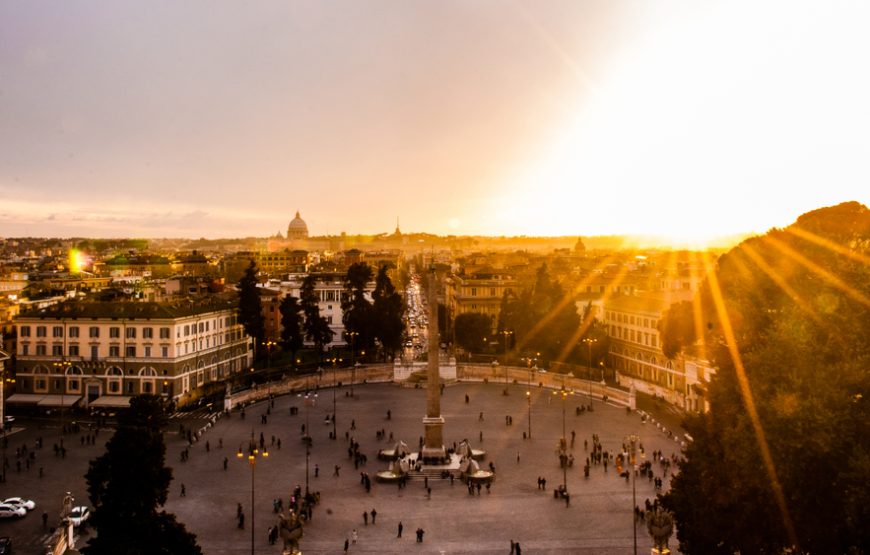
(598, 520)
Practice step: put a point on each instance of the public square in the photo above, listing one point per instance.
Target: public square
(598, 520)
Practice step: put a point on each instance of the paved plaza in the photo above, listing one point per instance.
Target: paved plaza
(598, 520)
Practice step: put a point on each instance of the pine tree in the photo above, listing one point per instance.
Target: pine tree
(128, 483)
(356, 308)
(251, 307)
(291, 325)
(387, 312)
(315, 326)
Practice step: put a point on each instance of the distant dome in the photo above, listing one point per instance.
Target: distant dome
(297, 228)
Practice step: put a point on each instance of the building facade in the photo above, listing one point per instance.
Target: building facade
(480, 293)
(101, 353)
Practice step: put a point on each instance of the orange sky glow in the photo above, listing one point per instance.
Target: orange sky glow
(681, 120)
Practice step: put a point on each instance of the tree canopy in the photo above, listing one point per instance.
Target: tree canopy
(128, 483)
(357, 311)
(471, 328)
(316, 326)
(542, 318)
(780, 461)
(387, 312)
(251, 307)
(292, 336)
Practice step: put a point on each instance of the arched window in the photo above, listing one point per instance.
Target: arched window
(114, 377)
(147, 377)
(40, 381)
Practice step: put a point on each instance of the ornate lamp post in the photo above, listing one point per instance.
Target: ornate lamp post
(253, 453)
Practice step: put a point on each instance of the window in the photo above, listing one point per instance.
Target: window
(147, 333)
(131, 333)
(474, 291)
(114, 386)
(57, 350)
(201, 327)
(114, 332)
(147, 351)
(165, 352)
(114, 351)
(93, 331)
(57, 331)
(73, 385)
(95, 352)
(40, 331)
(206, 325)
(25, 348)
(130, 351)
(492, 291)
(164, 333)
(74, 331)
(186, 330)
(73, 350)
(24, 331)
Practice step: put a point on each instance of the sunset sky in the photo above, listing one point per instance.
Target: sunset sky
(220, 118)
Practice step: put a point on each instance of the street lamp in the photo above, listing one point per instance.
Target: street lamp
(563, 443)
(506, 333)
(269, 344)
(253, 453)
(529, 361)
(352, 335)
(335, 361)
(589, 341)
(62, 367)
(310, 399)
(633, 440)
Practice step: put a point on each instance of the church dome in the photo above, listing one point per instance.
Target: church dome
(297, 228)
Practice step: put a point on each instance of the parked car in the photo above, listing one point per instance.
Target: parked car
(20, 502)
(79, 515)
(12, 511)
(5, 546)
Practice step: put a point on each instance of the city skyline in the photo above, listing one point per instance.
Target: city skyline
(208, 120)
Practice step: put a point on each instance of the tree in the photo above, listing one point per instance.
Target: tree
(471, 329)
(781, 459)
(316, 327)
(128, 483)
(543, 318)
(356, 308)
(292, 336)
(251, 307)
(387, 312)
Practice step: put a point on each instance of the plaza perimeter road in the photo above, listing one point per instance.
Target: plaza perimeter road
(598, 520)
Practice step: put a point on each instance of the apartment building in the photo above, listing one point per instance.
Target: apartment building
(480, 293)
(101, 353)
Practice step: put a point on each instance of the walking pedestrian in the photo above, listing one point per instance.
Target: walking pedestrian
(346, 544)
(519, 551)
(354, 535)
(513, 547)
(366, 518)
(401, 527)
(374, 515)
(420, 533)
(183, 491)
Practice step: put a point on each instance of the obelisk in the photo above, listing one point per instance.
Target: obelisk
(433, 445)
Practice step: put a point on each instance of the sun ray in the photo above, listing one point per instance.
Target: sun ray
(697, 312)
(749, 402)
(822, 242)
(818, 270)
